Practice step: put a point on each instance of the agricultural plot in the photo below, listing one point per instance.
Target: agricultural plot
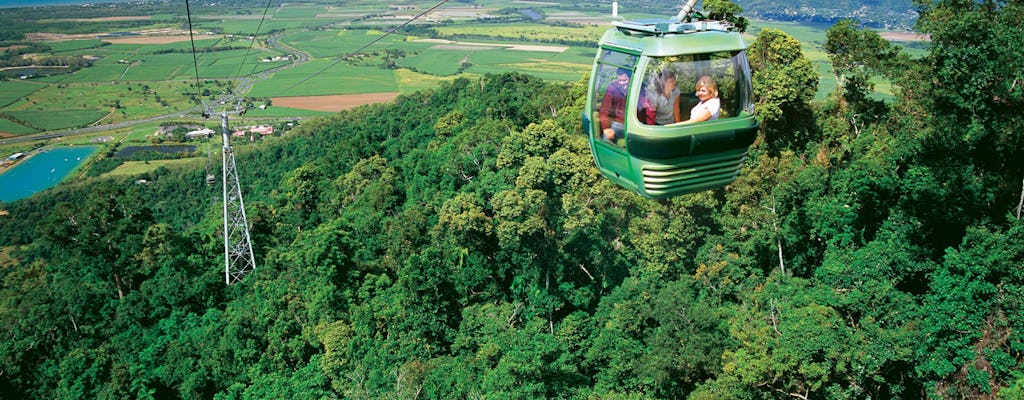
(180, 43)
(277, 111)
(338, 43)
(409, 81)
(104, 72)
(528, 32)
(135, 100)
(249, 27)
(340, 78)
(298, 11)
(437, 62)
(54, 119)
(12, 128)
(158, 67)
(134, 168)
(73, 45)
(447, 58)
(12, 91)
(529, 62)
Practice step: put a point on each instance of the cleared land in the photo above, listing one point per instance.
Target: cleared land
(109, 19)
(443, 44)
(158, 39)
(334, 103)
(905, 37)
(149, 36)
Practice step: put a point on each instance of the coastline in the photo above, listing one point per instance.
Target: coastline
(50, 3)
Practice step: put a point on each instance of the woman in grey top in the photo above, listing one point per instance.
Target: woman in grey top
(665, 98)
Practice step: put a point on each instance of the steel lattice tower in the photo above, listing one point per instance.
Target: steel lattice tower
(238, 256)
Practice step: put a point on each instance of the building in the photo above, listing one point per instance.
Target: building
(262, 130)
(200, 133)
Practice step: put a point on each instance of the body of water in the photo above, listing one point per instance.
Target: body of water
(41, 171)
(44, 3)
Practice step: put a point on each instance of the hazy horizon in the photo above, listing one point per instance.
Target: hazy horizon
(47, 3)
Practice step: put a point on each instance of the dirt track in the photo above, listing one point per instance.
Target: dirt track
(904, 36)
(333, 103)
(153, 39)
(109, 19)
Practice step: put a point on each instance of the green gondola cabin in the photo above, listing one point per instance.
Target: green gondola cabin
(665, 160)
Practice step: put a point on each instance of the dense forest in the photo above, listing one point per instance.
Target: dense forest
(459, 243)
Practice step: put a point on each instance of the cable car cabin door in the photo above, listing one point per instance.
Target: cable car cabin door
(606, 119)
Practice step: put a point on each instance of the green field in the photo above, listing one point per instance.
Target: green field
(12, 91)
(321, 78)
(58, 119)
(439, 63)
(284, 112)
(337, 43)
(528, 32)
(73, 45)
(8, 126)
(135, 168)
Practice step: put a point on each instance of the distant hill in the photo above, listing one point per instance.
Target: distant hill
(893, 14)
(896, 14)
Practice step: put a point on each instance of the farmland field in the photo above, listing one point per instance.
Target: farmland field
(8, 127)
(331, 77)
(12, 91)
(72, 45)
(280, 111)
(133, 168)
(528, 32)
(59, 119)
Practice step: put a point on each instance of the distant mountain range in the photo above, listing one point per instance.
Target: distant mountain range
(889, 14)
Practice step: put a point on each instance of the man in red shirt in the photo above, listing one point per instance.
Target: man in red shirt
(613, 107)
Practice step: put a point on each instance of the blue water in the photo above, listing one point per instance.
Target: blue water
(41, 171)
(44, 3)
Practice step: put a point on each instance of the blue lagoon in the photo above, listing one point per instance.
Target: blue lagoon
(42, 171)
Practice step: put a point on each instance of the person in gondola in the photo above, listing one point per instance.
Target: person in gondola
(665, 98)
(709, 106)
(613, 107)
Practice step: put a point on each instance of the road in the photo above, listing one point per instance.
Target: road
(244, 84)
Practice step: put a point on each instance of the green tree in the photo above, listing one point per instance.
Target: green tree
(784, 84)
(726, 10)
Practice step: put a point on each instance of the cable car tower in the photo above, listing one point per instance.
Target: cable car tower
(238, 255)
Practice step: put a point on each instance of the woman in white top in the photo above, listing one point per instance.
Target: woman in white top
(710, 106)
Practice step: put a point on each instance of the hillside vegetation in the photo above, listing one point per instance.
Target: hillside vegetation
(459, 243)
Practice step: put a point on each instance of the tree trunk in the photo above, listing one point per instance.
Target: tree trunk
(1021, 204)
(120, 291)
